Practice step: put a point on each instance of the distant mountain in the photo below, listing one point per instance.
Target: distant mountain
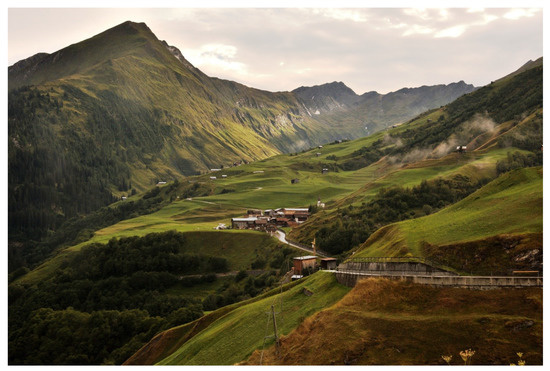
(326, 97)
(337, 104)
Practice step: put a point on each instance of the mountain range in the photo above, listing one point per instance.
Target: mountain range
(117, 113)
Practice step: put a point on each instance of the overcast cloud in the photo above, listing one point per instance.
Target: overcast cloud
(282, 49)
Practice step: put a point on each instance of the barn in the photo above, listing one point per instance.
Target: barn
(301, 263)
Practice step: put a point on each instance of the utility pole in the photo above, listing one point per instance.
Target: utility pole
(275, 327)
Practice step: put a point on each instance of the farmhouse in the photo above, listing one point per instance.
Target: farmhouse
(243, 223)
(301, 263)
(298, 215)
(281, 222)
(324, 171)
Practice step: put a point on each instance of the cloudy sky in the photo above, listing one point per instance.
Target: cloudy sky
(381, 49)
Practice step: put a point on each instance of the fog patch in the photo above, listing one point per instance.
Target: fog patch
(480, 124)
(300, 145)
(389, 140)
(468, 131)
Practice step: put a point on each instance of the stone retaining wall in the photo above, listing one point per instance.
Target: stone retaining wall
(406, 268)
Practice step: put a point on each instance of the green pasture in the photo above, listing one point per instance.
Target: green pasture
(511, 204)
(233, 337)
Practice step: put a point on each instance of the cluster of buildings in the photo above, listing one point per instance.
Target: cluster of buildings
(269, 220)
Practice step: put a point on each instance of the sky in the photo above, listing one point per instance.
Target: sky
(305, 43)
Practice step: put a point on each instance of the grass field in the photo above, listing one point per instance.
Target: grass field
(511, 204)
(233, 337)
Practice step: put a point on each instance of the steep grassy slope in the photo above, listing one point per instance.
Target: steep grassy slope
(399, 323)
(510, 206)
(233, 336)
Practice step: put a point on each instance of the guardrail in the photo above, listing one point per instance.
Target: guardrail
(391, 259)
(350, 278)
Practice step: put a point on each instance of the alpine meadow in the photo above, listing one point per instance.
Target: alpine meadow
(161, 216)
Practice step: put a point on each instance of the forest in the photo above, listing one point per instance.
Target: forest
(107, 300)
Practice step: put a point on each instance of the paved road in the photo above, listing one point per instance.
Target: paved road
(281, 236)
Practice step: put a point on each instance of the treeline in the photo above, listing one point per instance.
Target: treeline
(242, 288)
(278, 261)
(123, 278)
(71, 337)
(518, 160)
(351, 225)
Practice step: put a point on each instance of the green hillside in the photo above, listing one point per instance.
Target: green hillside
(234, 336)
(510, 206)
(117, 113)
(158, 281)
(499, 124)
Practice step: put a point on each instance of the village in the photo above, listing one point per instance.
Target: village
(271, 220)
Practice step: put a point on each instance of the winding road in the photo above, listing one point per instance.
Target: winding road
(281, 236)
